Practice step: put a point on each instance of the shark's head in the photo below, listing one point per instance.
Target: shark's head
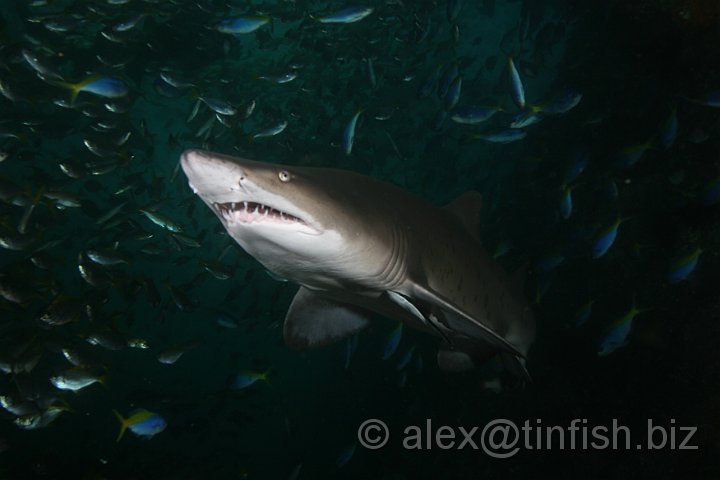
(247, 194)
(291, 219)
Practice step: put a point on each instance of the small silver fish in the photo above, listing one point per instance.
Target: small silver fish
(272, 131)
(76, 379)
(219, 106)
(161, 221)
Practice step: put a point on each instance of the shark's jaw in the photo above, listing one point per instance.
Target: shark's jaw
(233, 213)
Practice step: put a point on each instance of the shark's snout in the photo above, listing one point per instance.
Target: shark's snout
(186, 162)
(196, 163)
(190, 158)
(208, 173)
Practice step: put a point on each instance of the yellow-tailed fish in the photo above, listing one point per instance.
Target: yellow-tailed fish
(141, 422)
(104, 86)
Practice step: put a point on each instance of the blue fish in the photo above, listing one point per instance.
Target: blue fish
(564, 103)
(566, 204)
(450, 73)
(630, 156)
(606, 238)
(617, 335)
(108, 87)
(503, 136)
(347, 15)
(681, 268)
(141, 423)
(472, 114)
(517, 90)
(247, 378)
(582, 315)
(526, 117)
(242, 25)
(453, 94)
(392, 342)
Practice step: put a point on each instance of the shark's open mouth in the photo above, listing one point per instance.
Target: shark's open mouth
(251, 212)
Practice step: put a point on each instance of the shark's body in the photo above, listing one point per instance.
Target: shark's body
(356, 244)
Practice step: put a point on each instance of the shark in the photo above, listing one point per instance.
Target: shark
(359, 247)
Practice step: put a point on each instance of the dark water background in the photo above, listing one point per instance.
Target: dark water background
(633, 62)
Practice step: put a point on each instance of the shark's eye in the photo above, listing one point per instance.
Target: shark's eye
(284, 176)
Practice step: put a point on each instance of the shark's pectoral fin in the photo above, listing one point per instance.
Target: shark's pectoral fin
(314, 321)
(475, 327)
(407, 305)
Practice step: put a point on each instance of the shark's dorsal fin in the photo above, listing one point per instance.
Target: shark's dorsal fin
(315, 321)
(466, 208)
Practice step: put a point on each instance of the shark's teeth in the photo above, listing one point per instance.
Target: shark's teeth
(251, 212)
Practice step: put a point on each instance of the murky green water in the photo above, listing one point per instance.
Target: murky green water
(598, 170)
